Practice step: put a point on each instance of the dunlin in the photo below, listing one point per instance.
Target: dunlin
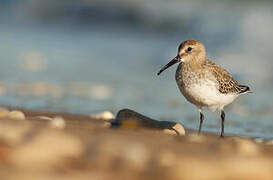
(202, 82)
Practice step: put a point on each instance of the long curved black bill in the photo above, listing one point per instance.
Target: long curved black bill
(172, 62)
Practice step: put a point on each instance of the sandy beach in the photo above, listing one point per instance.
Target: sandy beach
(44, 145)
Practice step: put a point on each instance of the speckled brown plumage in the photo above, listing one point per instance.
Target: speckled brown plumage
(202, 82)
(226, 82)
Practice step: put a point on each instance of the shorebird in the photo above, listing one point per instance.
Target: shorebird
(202, 82)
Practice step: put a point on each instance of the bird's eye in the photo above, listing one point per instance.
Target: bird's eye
(189, 49)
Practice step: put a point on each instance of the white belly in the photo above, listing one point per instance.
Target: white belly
(206, 94)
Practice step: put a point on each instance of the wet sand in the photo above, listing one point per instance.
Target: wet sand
(44, 145)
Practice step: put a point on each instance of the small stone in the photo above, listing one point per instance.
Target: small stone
(44, 118)
(130, 119)
(105, 115)
(130, 124)
(180, 129)
(16, 115)
(4, 112)
(169, 131)
(57, 122)
(107, 124)
(177, 129)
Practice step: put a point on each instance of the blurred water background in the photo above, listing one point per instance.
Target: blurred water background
(87, 56)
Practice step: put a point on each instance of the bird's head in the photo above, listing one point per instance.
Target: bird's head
(190, 51)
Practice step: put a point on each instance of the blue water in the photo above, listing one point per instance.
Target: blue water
(109, 64)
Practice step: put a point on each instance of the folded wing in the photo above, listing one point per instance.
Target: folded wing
(226, 82)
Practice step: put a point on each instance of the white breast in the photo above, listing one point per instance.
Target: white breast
(205, 93)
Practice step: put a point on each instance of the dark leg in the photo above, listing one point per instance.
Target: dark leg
(223, 120)
(201, 122)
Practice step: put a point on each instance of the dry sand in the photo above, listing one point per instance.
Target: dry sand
(43, 145)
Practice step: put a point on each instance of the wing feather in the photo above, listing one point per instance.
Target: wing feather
(226, 82)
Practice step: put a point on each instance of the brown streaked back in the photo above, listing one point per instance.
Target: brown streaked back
(226, 82)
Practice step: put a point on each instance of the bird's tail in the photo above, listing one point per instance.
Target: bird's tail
(244, 89)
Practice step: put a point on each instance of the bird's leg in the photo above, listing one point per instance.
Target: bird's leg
(201, 120)
(223, 120)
